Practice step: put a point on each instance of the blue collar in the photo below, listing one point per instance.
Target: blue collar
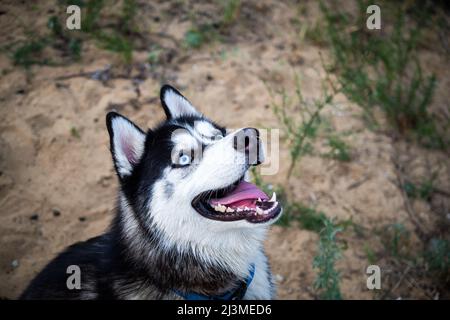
(236, 294)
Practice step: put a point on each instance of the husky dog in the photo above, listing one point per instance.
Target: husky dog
(188, 224)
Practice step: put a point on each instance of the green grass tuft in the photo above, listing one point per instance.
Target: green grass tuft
(328, 278)
(423, 190)
(91, 15)
(115, 42)
(339, 149)
(438, 256)
(395, 238)
(75, 133)
(27, 54)
(230, 11)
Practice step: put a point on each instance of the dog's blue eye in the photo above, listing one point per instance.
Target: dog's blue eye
(184, 160)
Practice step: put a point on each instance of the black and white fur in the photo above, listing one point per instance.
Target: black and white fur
(157, 242)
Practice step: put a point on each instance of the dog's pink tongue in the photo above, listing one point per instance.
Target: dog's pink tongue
(244, 191)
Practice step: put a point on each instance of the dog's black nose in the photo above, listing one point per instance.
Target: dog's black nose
(247, 141)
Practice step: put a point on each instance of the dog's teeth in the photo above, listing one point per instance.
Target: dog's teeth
(222, 208)
(217, 208)
(274, 197)
(239, 209)
(259, 210)
(259, 200)
(230, 210)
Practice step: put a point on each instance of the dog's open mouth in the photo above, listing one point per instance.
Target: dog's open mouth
(241, 200)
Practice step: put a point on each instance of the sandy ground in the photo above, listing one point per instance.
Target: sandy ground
(57, 187)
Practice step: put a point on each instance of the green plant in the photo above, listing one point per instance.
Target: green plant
(328, 278)
(395, 238)
(74, 47)
(300, 130)
(116, 40)
(423, 190)
(309, 218)
(339, 149)
(75, 133)
(115, 37)
(92, 12)
(200, 35)
(55, 26)
(382, 69)
(315, 34)
(116, 43)
(349, 224)
(28, 53)
(126, 22)
(370, 254)
(154, 55)
(63, 40)
(437, 256)
(194, 38)
(230, 11)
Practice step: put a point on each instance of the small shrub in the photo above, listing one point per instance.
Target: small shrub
(309, 218)
(382, 69)
(328, 278)
(300, 120)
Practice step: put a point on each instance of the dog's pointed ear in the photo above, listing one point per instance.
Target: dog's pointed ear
(127, 143)
(175, 104)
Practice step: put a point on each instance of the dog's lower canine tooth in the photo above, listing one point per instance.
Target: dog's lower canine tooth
(259, 210)
(274, 197)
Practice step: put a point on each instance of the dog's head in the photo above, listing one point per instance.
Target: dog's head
(187, 176)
